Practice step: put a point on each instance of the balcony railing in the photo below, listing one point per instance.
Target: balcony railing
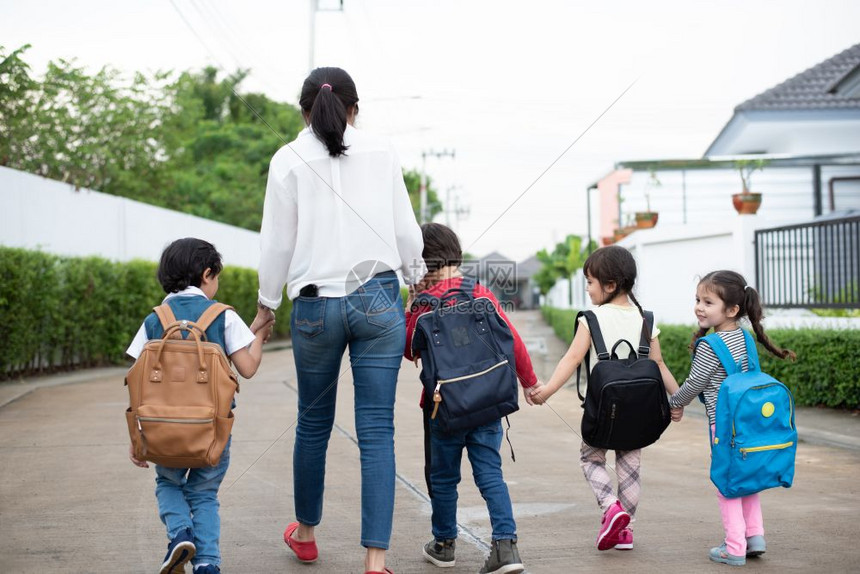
(810, 265)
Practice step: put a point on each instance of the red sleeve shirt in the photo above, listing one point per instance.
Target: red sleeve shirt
(525, 371)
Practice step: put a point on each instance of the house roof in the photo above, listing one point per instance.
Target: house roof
(494, 257)
(818, 88)
(813, 114)
(528, 267)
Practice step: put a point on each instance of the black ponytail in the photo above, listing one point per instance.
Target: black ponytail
(327, 95)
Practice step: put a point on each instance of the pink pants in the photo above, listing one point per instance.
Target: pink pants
(741, 519)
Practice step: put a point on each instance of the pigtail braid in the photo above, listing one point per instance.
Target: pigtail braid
(754, 312)
(635, 302)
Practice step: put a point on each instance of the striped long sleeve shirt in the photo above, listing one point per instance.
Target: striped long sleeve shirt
(707, 373)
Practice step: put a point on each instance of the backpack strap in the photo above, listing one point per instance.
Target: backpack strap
(165, 315)
(596, 340)
(465, 289)
(715, 342)
(210, 314)
(752, 352)
(647, 329)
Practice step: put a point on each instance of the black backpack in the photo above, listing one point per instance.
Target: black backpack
(625, 405)
(467, 355)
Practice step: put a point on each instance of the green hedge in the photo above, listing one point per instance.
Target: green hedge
(64, 312)
(826, 372)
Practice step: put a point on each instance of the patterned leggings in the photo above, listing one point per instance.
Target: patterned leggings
(593, 463)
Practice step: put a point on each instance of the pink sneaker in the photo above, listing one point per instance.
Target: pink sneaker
(625, 540)
(615, 519)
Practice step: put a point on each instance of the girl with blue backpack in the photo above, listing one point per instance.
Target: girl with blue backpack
(722, 299)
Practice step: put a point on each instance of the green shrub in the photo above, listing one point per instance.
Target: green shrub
(826, 372)
(65, 312)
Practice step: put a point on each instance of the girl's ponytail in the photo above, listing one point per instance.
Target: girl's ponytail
(754, 312)
(327, 95)
(635, 302)
(732, 289)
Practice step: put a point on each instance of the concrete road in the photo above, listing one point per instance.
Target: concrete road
(70, 501)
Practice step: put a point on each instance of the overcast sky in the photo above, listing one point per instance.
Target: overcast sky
(509, 85)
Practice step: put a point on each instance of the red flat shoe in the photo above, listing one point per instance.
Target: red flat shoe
(386, 571)
(305, 551)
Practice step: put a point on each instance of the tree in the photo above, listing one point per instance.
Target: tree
(566, 258)
(88, 130)
(192, 141)
(412, 178)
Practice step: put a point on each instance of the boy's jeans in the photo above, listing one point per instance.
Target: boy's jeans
(482, 445)
(371, 323)
(188, 498)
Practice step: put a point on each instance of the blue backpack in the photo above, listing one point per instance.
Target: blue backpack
(467, 357)
(755, 436)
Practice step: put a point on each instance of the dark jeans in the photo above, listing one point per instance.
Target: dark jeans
(369, 322)
(482, 445)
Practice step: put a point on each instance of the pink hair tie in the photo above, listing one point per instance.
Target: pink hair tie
(326, 86)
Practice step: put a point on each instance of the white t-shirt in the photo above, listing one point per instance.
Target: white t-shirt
(334, 222)
(237, 335)
(618, 322)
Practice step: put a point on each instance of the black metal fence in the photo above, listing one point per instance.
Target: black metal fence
(810, 265)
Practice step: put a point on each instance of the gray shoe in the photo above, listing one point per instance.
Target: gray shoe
(721, 555)
(440, 552)
(504, 558)
(756, 545)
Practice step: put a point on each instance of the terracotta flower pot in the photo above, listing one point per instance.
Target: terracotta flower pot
(646, 219)
(746, 203)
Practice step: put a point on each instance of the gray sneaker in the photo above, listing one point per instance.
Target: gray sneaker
(440, 552)
(756, 545)
(503, 559)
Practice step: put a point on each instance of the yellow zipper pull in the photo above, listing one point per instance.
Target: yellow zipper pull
(437, 398)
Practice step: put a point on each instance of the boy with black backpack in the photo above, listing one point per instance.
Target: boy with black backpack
(188, 497)
(471, 359)
(627, 411)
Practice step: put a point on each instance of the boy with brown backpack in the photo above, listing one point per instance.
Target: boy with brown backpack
(181, 391)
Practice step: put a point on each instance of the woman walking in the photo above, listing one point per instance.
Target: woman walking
(337, 224)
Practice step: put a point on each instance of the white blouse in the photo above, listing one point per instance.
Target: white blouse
(327, 220)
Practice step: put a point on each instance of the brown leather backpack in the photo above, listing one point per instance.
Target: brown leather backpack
(181, 393)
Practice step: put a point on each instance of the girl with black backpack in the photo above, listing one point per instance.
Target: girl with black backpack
(610, 274)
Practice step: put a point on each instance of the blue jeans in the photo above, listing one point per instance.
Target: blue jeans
(482, 445)
(371, 323)
(188, 498)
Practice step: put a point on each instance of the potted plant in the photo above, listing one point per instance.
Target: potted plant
(646, 219)
(622, 232)
(747, 202)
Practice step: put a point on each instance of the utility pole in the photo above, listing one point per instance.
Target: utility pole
(448, 204)
(315, 7)
(437, 154)
(460, 211)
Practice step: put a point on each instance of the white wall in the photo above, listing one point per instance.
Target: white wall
(672, 258)
(559, 297)
(39, 213)
(786, 194)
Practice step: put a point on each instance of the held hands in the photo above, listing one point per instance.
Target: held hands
(677, 414)
(537, 394)
(263, 323)
(140, 463)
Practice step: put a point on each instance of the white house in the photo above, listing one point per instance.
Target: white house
(802, 248)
